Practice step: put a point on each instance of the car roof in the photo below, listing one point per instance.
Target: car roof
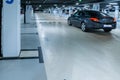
(89, 10)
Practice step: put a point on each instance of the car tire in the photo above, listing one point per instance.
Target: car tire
(107, 30)
(69, 23)
(83, 27)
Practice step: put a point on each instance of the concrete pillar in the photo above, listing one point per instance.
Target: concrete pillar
(28, 13)
(32, 12)
(116, 12)
(96, 6)
(11, 28)
(0, 26)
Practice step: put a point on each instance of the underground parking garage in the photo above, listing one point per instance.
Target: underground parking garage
(37, 41)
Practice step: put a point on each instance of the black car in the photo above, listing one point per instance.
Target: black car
(89, 19)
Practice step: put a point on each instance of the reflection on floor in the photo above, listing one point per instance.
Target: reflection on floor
(71, 54)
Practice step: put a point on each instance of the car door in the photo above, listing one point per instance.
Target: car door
(79, 18)
(74, 18)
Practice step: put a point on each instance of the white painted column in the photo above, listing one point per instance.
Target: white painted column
(11, 28)
(28, 13)
(116, 12)
(96, 6)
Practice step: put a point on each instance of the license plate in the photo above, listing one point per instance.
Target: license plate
(107, 25)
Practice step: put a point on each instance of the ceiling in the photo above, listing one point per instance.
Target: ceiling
(65, 2)
(46, 2)
(58, 1)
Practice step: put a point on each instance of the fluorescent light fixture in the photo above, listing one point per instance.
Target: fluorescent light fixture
(113, 3)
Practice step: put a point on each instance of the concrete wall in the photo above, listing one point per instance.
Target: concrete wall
(11, 29)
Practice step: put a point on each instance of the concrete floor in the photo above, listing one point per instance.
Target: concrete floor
(29, 35)
(29, 38)
(71, 54)
(25, 69)
(29, 69)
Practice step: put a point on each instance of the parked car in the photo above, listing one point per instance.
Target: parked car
(89, 19)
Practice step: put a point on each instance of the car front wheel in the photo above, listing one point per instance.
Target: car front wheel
(69, 23)
(83, 27)
(107, 30)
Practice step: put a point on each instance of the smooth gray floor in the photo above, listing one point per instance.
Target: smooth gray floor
(29, 35)
(71, 54)
(29, 69)
(25, 69)
(29, 41)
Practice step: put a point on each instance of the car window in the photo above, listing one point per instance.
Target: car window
(79, 14)
(76, 14)
(95, 14)
(103, 14)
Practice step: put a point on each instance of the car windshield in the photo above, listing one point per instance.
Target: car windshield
(95, 14)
